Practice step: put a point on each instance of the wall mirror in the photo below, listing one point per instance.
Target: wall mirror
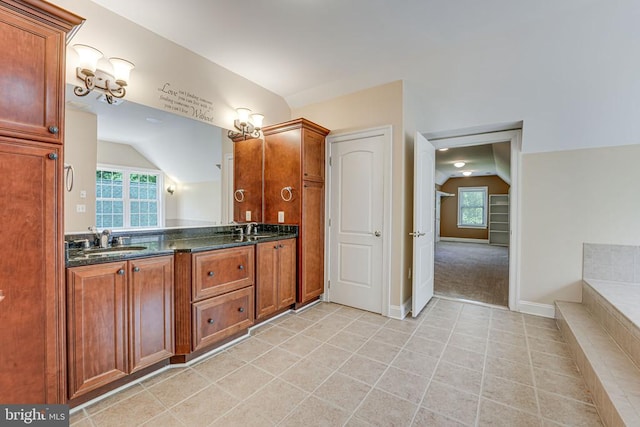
(193, 159)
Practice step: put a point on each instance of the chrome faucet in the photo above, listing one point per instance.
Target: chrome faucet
(104, 238)
(252, 226)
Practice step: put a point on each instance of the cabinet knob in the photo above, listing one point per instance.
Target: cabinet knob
(275, 247)
(241, 267)
(241, 309)
(210, 274)
(54, 130)
(121, 272)
(281, 246)
(136, 269)
(53, 156)
(210, 321)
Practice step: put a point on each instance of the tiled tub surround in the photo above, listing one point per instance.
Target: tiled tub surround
(168, 241)
(603, 332)
(457, 364)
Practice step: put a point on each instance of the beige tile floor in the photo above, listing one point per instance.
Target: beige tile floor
(457, 364)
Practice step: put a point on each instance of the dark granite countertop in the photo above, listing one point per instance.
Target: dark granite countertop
(168, 242)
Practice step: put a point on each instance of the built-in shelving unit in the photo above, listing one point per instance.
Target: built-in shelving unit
(499, 219)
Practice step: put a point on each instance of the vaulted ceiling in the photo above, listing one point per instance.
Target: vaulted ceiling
(311, 50)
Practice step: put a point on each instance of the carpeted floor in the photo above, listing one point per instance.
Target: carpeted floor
(472, 271)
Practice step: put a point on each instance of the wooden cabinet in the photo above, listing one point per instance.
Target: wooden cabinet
(32, 351)
(247, 180)
(119, 320)
(275, 276)
(214, 297)
(150, 311)
(219, 317)
(294, 165)
(217, 272)
(32, 69)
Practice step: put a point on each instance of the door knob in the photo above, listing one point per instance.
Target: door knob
(416, 234)
(377, 233)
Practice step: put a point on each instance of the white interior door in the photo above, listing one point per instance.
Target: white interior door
(357, 219)
(423, 223)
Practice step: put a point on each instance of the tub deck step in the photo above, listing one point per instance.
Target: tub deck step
(608, 371)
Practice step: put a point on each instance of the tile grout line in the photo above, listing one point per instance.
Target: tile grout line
(484, 370)
(424, 394)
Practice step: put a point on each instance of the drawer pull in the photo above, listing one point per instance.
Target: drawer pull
(53, 129)
(210, 274)
(241, 309)
(275, 247)
(136, 269)
(281, 246)
(121, 272)
(210, 321)
(241, 267)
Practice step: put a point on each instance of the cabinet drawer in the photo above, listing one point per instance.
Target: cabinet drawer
(221, 271)
(219, 317)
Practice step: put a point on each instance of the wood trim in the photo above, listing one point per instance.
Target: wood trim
(295, 124)
(182, 302)
(46, 12)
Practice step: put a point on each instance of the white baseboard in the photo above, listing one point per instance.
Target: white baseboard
(461, 239)
(400, 311)
(537, 309)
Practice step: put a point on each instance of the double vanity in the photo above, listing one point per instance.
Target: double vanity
(168, 297)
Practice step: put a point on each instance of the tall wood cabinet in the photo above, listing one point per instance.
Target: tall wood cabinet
(294, 192)
(32, 70)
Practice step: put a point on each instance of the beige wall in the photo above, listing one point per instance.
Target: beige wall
(111, 153)
(80, 150)
(378, 106)
(570, 198)
(196, 203)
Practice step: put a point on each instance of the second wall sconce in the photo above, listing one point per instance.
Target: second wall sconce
(171, 189)
(111, 82)
(247, 124)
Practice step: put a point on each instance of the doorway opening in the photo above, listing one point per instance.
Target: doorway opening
(476, 206)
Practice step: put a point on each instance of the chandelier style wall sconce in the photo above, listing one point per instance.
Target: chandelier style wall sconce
(247, 124)
(111, 82)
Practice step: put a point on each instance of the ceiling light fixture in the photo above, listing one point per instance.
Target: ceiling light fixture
(248, 124)
(111, 82)
(459, 164)
(442, 149)
(467, 173)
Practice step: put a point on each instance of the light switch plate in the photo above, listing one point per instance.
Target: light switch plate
(280, 216)
(247, 216)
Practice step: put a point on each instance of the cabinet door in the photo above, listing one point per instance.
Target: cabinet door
(247, 180)
(150, 311)
(266, 278)
(31, 67)
(287, 272)
(312, 156)
(311, 239)
(31, 267)
(97, 331)
(281, 170)
(217, 318)
(222, 270)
